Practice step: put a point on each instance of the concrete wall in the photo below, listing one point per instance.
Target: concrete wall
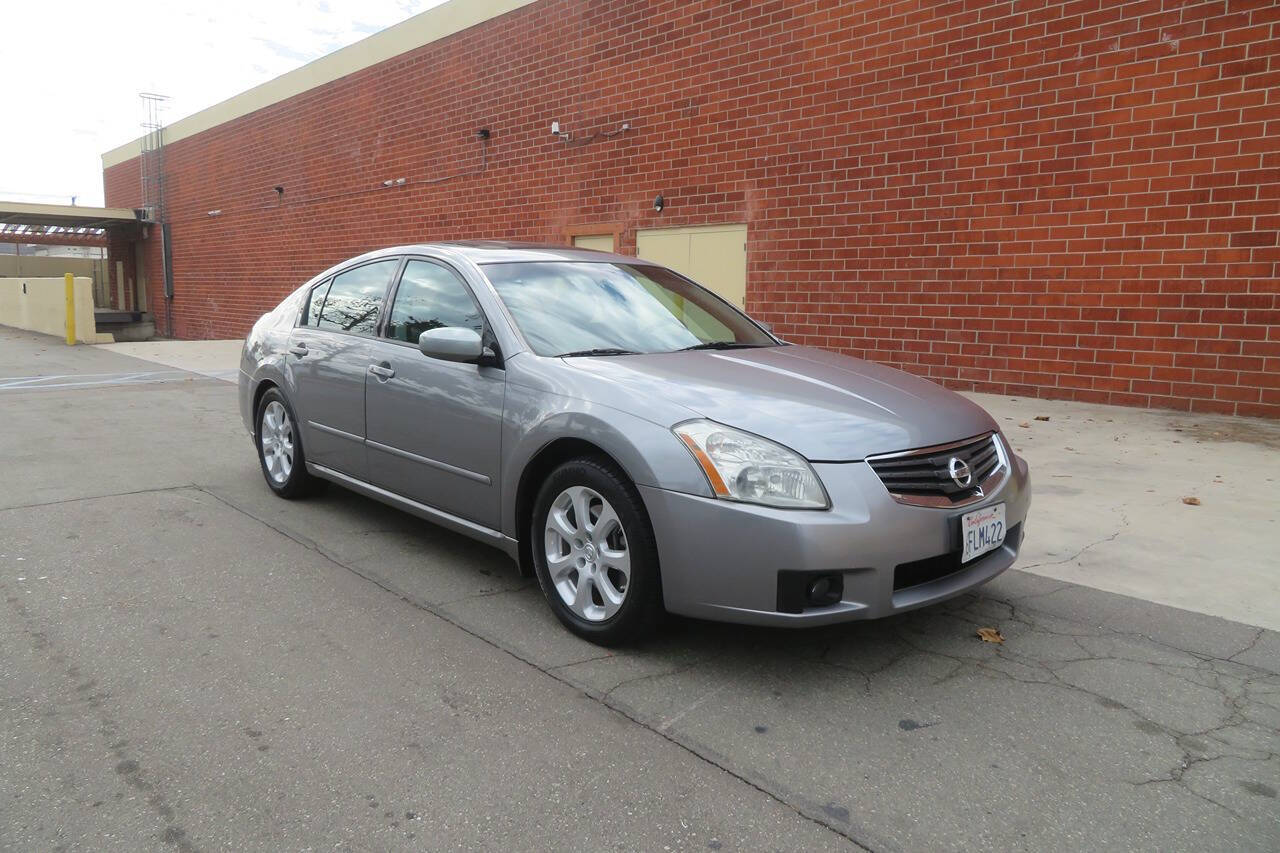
(39, 305)
(1059, 199)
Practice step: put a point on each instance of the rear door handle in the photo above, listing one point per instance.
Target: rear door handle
(300, 350)
(382, 371)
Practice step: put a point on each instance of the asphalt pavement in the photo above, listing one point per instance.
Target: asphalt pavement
(192, 663)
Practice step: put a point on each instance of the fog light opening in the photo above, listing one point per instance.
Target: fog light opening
(824, 590)
(801, 590)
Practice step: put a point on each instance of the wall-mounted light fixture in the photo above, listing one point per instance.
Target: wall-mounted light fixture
(279, 188)
(217, 212)
(659, 203)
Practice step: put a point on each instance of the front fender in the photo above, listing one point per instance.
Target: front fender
(649, 454)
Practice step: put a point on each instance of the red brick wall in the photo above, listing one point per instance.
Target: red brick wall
(1073, 199)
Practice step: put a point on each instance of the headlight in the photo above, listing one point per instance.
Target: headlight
(745, 467)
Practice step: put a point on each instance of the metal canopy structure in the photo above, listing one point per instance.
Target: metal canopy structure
(119, 282)
(20, 221)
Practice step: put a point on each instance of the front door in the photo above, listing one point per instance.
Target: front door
(327, 359)
(434, 427)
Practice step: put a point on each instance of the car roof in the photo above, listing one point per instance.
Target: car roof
(506, 252)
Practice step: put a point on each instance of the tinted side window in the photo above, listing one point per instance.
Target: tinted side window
(316, 302)
(355, 297)
(431, 297)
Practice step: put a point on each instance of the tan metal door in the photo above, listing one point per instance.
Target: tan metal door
(715, 256)
(599, 242)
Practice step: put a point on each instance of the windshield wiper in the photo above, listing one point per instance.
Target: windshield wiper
(598, 351)
(719, 345)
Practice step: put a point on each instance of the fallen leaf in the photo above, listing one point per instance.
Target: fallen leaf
(1191, 501)
(1024, 424)
(990, 635)
(1042, 417)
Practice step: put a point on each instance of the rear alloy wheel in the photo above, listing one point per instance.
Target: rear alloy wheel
(276, 436)
(280, 448)
(595, 555)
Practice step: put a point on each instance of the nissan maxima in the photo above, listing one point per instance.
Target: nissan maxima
(634, 441)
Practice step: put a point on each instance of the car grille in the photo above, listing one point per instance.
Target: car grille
(926, 473)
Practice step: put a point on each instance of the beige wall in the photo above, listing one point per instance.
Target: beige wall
(47, 267)
(42, 307)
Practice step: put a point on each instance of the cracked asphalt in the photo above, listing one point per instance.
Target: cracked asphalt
(192, 663)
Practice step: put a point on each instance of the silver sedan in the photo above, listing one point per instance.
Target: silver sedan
(636, 442)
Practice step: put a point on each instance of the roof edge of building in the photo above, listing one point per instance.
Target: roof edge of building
(18, 209)
(424, 28)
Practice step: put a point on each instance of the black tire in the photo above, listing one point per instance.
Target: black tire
(641, 611)
(298, 483)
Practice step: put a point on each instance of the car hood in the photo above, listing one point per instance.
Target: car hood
(826, 407)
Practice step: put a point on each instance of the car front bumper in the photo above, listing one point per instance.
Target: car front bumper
(720, 560)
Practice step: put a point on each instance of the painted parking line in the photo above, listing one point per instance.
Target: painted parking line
(99, 380)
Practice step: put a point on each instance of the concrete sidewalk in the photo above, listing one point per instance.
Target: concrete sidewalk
(1109, 486)
(1173, 508)
(218, 359)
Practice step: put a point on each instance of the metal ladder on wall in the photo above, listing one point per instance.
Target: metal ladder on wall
(152, 163)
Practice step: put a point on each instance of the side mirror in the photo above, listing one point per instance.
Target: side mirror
(452, 343)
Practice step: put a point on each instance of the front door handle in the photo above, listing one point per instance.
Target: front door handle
(383, 370)
(300, 350)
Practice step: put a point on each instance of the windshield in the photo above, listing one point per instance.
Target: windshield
(589, 308)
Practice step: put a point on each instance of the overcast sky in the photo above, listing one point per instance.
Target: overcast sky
(76, 68)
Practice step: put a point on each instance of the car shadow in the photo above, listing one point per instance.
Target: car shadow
(434, 564)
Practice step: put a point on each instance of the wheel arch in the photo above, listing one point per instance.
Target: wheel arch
(549, 457)
(646, 453)
(259, 392)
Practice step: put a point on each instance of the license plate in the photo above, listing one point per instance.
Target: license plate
(981, 531)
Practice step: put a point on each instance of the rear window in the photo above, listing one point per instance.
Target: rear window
(355, 298)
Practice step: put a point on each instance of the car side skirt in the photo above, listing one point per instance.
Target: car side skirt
(428, 513)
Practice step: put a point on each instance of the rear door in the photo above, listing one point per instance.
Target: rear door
(328, 357)
(434, 427)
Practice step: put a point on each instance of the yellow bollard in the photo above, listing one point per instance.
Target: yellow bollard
(71, 309)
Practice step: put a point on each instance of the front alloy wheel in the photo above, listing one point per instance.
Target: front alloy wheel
(595, 554)
(586, 551)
